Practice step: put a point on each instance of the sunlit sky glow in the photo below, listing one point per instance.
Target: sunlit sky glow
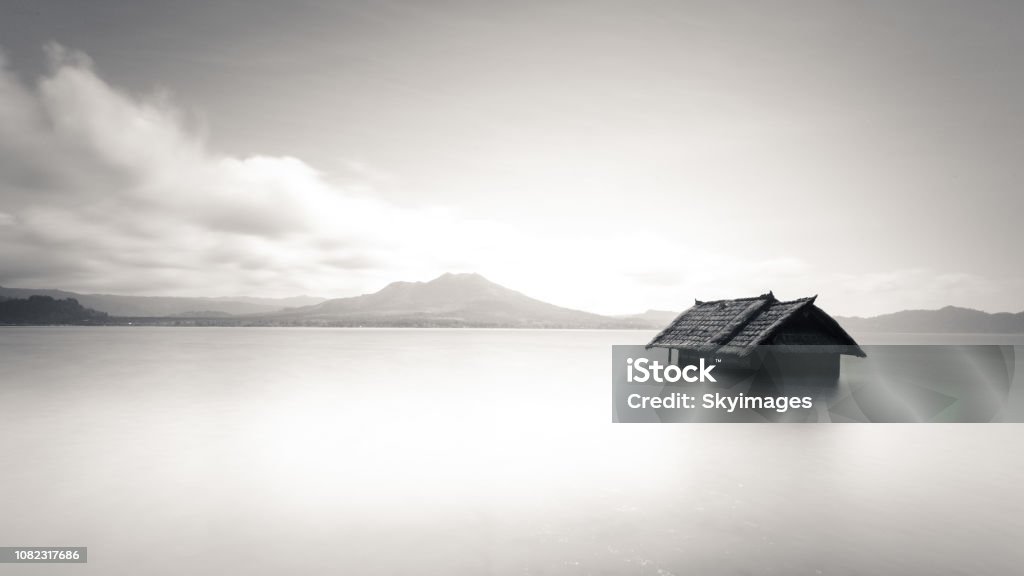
(611, 157)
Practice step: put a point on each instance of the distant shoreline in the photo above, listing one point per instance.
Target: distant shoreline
(184, 324)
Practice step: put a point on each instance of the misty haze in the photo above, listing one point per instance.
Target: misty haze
(332, 287)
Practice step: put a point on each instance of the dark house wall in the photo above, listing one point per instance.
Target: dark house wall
(802, 369)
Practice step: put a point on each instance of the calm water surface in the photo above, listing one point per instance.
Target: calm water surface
(362, 451)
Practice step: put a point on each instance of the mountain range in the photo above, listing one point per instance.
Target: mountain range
(950, 319)
(451, 300)
(149, 306)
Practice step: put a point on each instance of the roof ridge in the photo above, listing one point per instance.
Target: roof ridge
(795, 300)
(767, 296)
(770, 329)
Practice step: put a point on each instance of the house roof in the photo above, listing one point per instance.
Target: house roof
(737, 327)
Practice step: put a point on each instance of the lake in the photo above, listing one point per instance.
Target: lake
(389, 451)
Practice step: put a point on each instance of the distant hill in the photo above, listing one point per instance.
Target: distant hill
(950, 319)
(157, 306)
(468, 300)
(41, 310)
(653, 318)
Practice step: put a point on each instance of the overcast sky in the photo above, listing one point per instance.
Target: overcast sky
(612, 157)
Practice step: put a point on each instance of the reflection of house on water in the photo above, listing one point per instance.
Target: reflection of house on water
(776, 347)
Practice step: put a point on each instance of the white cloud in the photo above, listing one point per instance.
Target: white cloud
(101, 190)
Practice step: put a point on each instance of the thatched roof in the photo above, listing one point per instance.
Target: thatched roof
(737, 327)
